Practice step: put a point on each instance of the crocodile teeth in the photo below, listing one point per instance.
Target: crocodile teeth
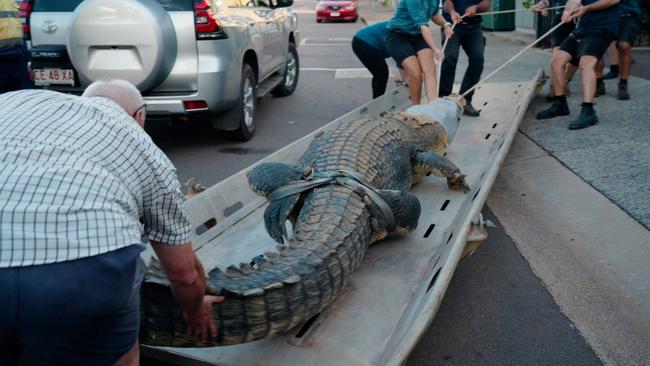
(272, 256)
(291, 280)
(254, 292)
(233, 271)
(283, 250)
(246, 268)
(273, 286)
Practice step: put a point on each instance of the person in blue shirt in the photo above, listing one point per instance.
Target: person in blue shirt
(597, 28)
(469, 35)
(409, 41)
(369, 46)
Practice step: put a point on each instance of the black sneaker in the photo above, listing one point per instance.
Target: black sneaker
(470, 111)
(558, 108)
(611, 74)
(600, 88)
(586, 118)
(622, 92)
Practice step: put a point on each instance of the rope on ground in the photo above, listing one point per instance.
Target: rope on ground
(512, 59)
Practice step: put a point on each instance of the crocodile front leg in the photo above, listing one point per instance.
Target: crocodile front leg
(429, 162)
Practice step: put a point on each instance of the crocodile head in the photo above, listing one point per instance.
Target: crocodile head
(431, 134)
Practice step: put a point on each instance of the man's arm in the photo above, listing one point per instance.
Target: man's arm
(445, 26)
(569, 9)
(540, 7)
(484, 6)
(481, 7)
(598, 5)
(428, 38)
(187, 279)
(449, 8)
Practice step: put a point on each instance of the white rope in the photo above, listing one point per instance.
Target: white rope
(439, 64)
(513, 58)
(516, 10)
(444, 45)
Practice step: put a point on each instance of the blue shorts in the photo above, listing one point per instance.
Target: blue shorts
(81, 312)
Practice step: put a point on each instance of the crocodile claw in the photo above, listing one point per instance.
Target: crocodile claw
(457, 183)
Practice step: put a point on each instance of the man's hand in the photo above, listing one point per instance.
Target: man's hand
(566, 17)
(447, 31)
(456, 18)
(200, 323)
(580, 11)
(437, 55)
(471, 11)
(540, 7)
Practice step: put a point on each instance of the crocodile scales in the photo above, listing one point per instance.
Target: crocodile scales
(332, 227)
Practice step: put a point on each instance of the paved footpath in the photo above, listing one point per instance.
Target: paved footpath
(577, 203)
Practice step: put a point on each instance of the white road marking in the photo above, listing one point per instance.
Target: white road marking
(332, 41)
(326, 44)
(316, 69)
(350, 73)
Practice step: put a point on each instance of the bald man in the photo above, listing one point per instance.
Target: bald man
(81, 187)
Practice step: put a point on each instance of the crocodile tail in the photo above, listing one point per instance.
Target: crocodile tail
(298, 284)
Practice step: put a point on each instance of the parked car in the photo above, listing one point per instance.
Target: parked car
(193, 60)
(345, 10)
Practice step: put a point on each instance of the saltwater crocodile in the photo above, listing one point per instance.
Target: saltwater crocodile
(333, 224)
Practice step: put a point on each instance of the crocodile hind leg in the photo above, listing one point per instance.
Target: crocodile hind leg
(429, 162)
(276, 215)
(406, 211)
(267, 177)
(264, 179)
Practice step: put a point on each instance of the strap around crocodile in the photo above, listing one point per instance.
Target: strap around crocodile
(350, 179)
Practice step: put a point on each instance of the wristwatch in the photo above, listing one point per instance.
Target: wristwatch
(447, 25)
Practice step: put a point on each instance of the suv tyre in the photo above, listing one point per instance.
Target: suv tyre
(244, 112)
(291, 73)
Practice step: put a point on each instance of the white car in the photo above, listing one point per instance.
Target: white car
(192, 59)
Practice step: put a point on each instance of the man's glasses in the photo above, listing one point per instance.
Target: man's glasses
(138, 110)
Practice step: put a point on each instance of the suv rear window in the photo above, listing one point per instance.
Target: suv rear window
(70, 5)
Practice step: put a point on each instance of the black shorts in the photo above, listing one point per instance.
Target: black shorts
(402, 45)
(595, 43)
(629, 28)
(560, 34)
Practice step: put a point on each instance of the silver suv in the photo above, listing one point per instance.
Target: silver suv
(192, 59)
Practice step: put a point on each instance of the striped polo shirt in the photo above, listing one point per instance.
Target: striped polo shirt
(78, 178)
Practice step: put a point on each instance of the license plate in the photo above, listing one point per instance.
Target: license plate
(53, 76)
(335, 14)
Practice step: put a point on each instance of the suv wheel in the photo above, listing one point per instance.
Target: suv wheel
(244, 111)
(292, 71)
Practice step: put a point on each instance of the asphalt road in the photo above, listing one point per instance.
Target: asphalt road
(496, 311)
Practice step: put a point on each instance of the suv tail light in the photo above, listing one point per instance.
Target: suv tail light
(205, 23)
(24, 12)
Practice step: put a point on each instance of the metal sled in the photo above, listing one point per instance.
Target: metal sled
(394, 295)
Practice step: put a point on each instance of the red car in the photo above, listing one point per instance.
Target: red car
(345, 10)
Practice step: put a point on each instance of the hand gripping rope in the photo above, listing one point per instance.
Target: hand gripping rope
(444, 45)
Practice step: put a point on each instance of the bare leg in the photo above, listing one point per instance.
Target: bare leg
(613, 54)
(405, 76)
(558, 61)
(425, 57)
(588, 73)
(600, 66)
(570, 71)
(412, 68)
(625, 58)
(131, 358)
